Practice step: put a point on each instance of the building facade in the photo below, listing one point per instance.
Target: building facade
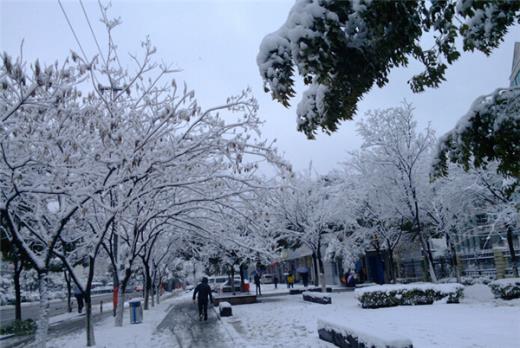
(515, 70)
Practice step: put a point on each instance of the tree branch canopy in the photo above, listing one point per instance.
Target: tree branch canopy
(342, 48)
(490, 131)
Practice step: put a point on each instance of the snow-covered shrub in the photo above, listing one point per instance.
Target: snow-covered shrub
(19, 327)
(506, 289)
(29, 296)
(408, 294)
(5, 292)
(7, 299)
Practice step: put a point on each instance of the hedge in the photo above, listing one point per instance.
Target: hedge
(408, 294)
(506, 289)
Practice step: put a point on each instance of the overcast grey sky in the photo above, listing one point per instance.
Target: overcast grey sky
(216, 42)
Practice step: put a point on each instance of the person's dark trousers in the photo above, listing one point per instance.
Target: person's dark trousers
(258, 290)
(79, 299)
(203, 309)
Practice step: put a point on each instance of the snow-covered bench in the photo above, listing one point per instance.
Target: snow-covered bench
(316, 297)
(358, 337)
(224, 309)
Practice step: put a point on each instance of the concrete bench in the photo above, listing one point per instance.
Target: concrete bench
(225, 309)
(317, 297)
(359, 337)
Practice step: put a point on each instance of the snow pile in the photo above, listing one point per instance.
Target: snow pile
(315, 294)
(361, 335)
(222, 305)
(408, 294)
(317, 297)
(506, 289)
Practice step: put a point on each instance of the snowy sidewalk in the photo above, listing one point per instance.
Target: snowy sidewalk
(185, 329)
(67, 324)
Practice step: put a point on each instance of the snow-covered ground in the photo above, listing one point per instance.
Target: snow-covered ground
(479, 321)
(287, 321)
(128, 336)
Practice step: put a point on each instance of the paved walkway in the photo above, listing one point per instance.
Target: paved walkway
(183, 324)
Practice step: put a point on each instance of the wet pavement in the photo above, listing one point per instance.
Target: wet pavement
(183, 324)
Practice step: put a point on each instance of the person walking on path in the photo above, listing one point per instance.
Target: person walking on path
(204, 292)
(79, 298)
(275, 282)
(290, 281)
(305, 278)
(257, 283)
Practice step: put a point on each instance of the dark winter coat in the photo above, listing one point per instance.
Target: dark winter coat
(204, 292)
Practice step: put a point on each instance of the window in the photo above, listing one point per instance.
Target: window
(516, 80)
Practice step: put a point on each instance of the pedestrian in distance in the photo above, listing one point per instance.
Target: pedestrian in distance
(345, 277)
(204, 295)
(305, 278)
(257, 283)
(78, 294)
(275, 280)
(290, 280)
(351, 280)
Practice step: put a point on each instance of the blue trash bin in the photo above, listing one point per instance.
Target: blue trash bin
(136, 311)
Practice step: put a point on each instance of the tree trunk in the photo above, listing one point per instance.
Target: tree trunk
(315, 264)
(121, 299)
(43, 319)
(429, 262)
(18, 266)
(392, 265)
(454, 262)
(322, 272)
(91, 341)
(153, 286)
(159, 282)
(514, 259)
(120, 306)
(146, 286)
(425, 246)
(233, 278)
(69, 291)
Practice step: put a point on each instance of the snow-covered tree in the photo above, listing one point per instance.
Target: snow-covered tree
(488, 132)
(303, 212)
(392, 143)
(342, 48)
(94, 156)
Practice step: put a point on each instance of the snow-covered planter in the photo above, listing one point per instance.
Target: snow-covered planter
(408, 294)
(506, 289)
(317, 297)
(225, 309)
(359, 337)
